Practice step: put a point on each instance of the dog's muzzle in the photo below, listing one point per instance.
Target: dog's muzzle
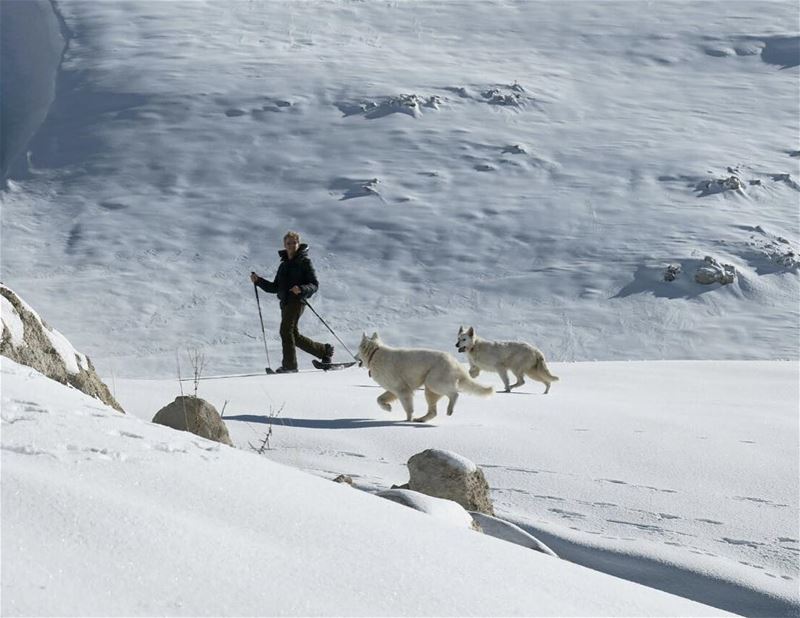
(461, 349)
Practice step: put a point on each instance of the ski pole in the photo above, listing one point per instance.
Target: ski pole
(307, 304)
(268, 368)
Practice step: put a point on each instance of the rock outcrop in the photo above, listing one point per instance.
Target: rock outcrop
(714, 272)
(28, 340)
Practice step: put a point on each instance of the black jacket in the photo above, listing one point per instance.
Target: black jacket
(299, 271)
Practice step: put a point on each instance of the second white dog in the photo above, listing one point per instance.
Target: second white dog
(400, 371)
(521, 359)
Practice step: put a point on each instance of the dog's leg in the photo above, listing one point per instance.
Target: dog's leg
(431, 398)
(536, 375)
(385, 400)
(520, 379)
(474, 371)
(407, 401)
(451, 403)
(504, 377)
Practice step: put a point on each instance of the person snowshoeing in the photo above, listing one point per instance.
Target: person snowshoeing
(294, 282)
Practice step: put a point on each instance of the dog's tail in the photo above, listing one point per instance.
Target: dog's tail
(468, 385)
(541, 368)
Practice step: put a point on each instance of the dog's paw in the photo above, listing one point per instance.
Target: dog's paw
(385, 406)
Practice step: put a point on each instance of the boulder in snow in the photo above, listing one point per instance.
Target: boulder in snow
(195, 415)
(28, 340)
(672, 272)
(444, 474)
(719, 185)
(711, 271)
(446, 510)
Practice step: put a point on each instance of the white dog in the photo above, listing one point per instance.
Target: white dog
(401, 371)
(521, 359)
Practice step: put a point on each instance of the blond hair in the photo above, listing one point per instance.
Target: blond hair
(292, 235)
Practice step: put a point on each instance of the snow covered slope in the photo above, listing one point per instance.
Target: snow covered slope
(107, 515)
(530, 168)
(679, 475)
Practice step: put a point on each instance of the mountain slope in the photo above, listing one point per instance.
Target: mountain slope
(552, 161)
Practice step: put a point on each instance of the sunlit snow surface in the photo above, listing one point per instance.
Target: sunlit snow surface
(528, 168)
(679, 475)
(551, 164)
(104, 514)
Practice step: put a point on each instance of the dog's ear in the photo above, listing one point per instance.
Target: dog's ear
(375, 336)
(471, 332)
(460, 329)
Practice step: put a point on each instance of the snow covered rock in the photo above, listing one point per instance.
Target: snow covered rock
(28, 340)
(195, 415)
(719, 185)
(714, 272)
(444, 474)
(672, 272)
(777, 249)
(446, 510)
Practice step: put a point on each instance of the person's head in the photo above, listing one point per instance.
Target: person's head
(291, 242)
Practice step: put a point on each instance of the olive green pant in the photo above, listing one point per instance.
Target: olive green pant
(291, 337)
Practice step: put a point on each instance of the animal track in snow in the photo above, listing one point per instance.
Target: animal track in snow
(658, 489)
(568, 514)
(210, 446)
(270, 106)
(9, 419)
(167, 447)
(649, 527)
(713, 522)
(125, 434)
(753, 544)
(513, 490)
(759, 501)
(27, 449)
(649, 487)
(518, 469)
